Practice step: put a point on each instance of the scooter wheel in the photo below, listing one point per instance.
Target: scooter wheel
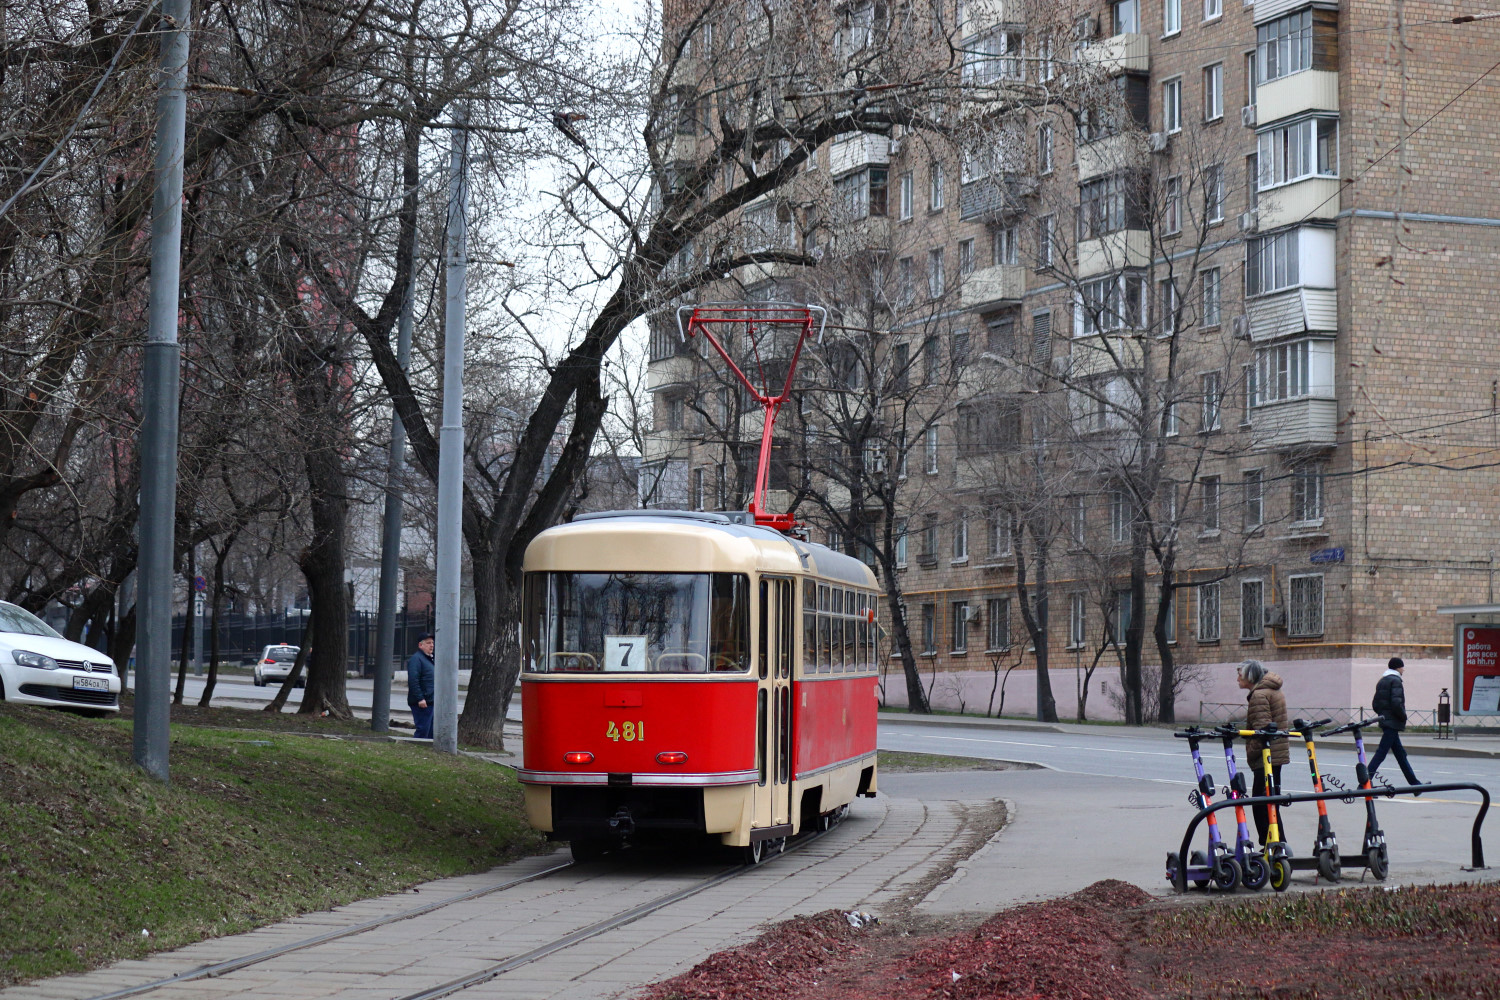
(1377, 862)
(1254, 873)
(1281, 874)
(1328, 865)
(1173, 863)
(1226, 875)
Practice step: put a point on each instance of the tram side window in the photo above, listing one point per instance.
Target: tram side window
(809, 627)
(851, 657)
(672, 623)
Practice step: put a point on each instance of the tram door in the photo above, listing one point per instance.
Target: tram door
(773, 806)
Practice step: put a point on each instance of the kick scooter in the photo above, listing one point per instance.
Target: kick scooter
(1219, 869)
(1325, 845)
(1254, 872)
(1375, 858)
(1278, 854)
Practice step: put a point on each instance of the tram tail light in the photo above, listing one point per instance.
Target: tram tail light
(578, 757)
(671, 757)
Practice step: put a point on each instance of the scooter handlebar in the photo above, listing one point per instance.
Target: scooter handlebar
(1303, 726)
(1192, 731)
(1361, 724)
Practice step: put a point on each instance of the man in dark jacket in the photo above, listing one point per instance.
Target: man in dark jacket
(420, 673)
(1390, 704)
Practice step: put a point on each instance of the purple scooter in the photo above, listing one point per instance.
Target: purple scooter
(1254, 872)
(1218, 869)
(1375, 857)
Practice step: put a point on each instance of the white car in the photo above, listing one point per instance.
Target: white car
(40, 667)
(275, 663)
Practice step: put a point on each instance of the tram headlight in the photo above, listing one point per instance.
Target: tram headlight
(578, 757)
(671, 757)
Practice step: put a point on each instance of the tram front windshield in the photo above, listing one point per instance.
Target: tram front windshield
(660, 623)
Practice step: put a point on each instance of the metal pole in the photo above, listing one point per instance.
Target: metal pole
(451, 451)
(159, 377)
(390, 541)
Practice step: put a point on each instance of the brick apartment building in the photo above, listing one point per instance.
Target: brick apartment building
(1223, 262)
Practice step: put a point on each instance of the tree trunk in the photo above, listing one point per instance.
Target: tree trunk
(323, 564)
(916, 698)
(494, 667)
(213, 634)
(1135, 630)
(279, 702)
(1167, 698)
(187, 628)
(121, 645)
(1036, 615)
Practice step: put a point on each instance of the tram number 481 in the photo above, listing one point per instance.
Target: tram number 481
(627, 731)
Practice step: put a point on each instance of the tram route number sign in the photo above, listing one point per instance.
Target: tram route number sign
(1476, 659)
(625, 653)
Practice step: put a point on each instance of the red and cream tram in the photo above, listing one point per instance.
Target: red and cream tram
(692, 673)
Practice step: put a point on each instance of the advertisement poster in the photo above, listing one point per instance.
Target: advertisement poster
(1478, 658)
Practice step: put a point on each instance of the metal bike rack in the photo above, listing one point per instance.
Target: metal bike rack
(1476, 845)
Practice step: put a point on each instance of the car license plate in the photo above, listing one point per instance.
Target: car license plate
(90, 684)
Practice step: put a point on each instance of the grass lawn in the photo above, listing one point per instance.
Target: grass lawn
(253, 828)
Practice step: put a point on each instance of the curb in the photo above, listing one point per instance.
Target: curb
(962, 723)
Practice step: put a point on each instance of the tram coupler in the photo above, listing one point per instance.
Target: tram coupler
(622, 824)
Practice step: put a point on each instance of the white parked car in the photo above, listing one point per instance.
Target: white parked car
(275, 663)
(40, 667)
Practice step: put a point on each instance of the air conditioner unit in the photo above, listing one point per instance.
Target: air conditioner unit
(971, 614)
(1248, 221)
(1157, 143)
(1273, 616)
(895, 146)
(1085, 28)
(1247, 116)
(1241, 327)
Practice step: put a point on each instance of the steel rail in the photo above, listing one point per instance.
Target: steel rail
(1476, 844)
(234, 964)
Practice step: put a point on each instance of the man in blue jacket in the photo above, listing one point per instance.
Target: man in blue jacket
(1390, 704)
(419, 680)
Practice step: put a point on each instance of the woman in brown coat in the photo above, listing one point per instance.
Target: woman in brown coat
(1266, 706)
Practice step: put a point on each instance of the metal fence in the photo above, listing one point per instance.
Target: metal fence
(1218, 713)
(242, 637)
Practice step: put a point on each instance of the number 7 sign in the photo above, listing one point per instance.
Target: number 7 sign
(625, 653)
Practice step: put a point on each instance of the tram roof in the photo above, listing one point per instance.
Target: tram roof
(807, 556)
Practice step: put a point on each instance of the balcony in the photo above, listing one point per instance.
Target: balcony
(993, 285)
(1125, 248)
(1311, 198)
(1123, 53)
(1295, 423)
(1102, 354)
(980, 16)
(996, 196)
(1310, 90)
(857, 152)
(1113, 153)
(1294, 311)
(1269, 10)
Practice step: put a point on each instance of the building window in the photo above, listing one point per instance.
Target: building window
(1171, 104)
(1307, 492)
(961, 538)
(1044, 149)
(1208, 612)
(863, 194)
(1045, 228)
(1294, 152)
(929, 538)
(1208, 293)
(1305, 614)
(1115, 302)
(1252, 601)
(1077, 520)
(1000, 334)
(1212, 9)
(999, 525)
(1045, 67)
(904, 199)
(960, 626)
(1077, 620)
(998, 638)
(1293, 370)
(930, 450)
(965, 257)
(1171, 17)
(1166, 297)
(1169, 627)
(929, 629)
(1213, 193)
(1208, 495)
(1127, 19)
(992, 57)
(1006, 248)
(1271, 263)
(931, 367)
(1169, 423)
(1250, 78)
(1172, 205)
(695, 499)
(960, 348)
(1255, 499)
(935, 200)
(901, 542)
(1121, 516)
(835, 540)
(1121, 614)
(1284, 46)
(1107, 205)
(1213, 90)
(936, 283)
(1213, 400)
(1252, 394)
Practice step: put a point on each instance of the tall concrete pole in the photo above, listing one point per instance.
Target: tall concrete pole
(451, 449)
(390, 541)
(159, 378)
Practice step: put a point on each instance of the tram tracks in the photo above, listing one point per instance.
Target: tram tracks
(229, 966)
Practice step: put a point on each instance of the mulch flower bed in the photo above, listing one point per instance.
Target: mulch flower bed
(1113, 941)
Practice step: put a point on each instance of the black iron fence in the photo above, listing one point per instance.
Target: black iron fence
(242, 637)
